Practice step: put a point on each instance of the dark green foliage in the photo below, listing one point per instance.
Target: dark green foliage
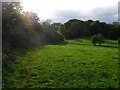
(96, 27)
(107, 30)
(100, 39)
(55, 26)
(76, 28)
(22, 30)
(119, 41)
(50, 33)
(62, 30)
(94, 40)
(97, 39)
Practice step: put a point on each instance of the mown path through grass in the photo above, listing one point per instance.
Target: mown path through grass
(76, 64)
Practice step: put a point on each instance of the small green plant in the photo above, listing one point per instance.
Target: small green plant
(100, 39)
(94, 40)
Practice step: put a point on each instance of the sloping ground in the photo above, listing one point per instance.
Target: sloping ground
(76, 64)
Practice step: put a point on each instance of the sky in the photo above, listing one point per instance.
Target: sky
(64, 10)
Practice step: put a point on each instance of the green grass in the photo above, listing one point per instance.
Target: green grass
(75, 64)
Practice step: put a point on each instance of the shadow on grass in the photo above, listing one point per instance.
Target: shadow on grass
(108, 46)
(83, 44)
(60, 43)
(110, 42)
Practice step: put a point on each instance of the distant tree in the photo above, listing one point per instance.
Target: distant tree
(100, 39)
(119, 41)
(89, 21)
(76, 28)
(94, 39)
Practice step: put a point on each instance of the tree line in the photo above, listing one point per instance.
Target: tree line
(76, 28)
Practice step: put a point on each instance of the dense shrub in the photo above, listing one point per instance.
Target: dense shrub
(100, 39)
(94, 39)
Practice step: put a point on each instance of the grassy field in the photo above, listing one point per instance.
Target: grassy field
(71, 64)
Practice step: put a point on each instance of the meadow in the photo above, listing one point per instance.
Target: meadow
(70, 64)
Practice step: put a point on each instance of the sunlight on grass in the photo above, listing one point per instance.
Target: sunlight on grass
(78, 64)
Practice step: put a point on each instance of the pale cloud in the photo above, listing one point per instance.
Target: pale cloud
(63, 10)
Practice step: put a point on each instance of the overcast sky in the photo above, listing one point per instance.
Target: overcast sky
(63, 10)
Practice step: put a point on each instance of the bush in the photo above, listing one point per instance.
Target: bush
(94, 40)
(100, 39)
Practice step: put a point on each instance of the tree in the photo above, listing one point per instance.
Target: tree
(76, 28)
(62, 30)
(55, 26)
(94, 39)
(100, 39)
(119, 41)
